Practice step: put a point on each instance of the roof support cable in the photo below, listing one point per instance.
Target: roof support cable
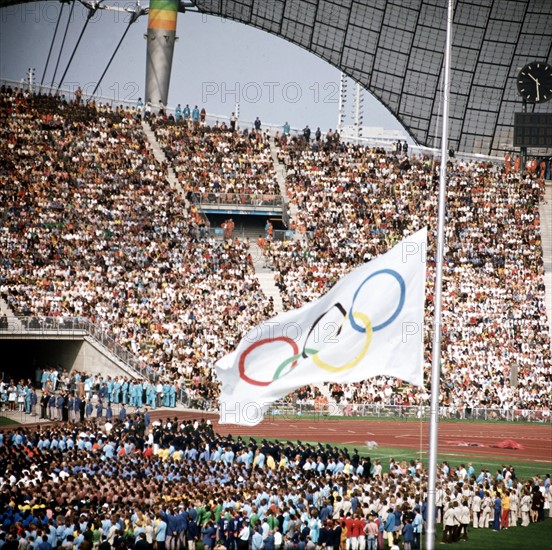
(132, 20)
(91, 12)
(63, 42)
(52, 45)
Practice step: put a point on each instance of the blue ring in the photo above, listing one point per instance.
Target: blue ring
(400, 280)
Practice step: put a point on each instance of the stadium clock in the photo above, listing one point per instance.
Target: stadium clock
(534, 82)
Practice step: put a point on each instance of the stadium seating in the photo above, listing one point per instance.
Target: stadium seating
(94, 229)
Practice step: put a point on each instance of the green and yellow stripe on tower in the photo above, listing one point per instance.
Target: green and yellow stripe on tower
(162, 15)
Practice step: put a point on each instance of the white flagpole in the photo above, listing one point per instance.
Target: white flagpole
(439, 258)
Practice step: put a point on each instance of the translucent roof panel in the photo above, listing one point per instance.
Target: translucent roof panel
(395, 49)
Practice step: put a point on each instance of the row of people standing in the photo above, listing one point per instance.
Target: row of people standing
(94, 391)
(67, 407)
(195, 116)
(186, 114)
(124, 390)
(19, 396)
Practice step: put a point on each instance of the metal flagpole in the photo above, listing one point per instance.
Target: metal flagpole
(439, 258)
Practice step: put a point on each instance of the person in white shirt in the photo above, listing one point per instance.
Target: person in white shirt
(278, 538)
(464, 519)
(243, 537)
(439, 502)
(485, 516)
(525, 507)
(449, 521)
(476, 510)
(514, 508)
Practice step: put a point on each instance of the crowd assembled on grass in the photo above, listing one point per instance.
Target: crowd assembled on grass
(90, 213)
(179, 485)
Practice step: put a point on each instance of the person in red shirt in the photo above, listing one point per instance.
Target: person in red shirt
(358, 531)
(148, 452)
(351, 540)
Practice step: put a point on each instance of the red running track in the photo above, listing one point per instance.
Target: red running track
(460, 439)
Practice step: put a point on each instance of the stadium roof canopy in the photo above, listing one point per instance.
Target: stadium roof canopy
(395, 49)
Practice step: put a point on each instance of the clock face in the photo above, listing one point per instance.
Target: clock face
(534, 82)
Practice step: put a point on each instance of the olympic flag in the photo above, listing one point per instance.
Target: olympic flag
(369, 323)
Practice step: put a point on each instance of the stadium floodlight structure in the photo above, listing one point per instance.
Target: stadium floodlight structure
(342, 101)
(395, 50)
(358, 111)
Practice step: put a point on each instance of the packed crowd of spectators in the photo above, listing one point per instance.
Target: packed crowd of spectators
(354, 205)
(179, 484)
(93, 229)
(216, 161)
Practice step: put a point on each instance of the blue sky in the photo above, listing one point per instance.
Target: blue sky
(216, 63)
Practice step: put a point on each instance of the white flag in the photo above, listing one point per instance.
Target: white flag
(369, 323)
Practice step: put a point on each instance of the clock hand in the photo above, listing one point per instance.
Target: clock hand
(531, 76)
(538, 90)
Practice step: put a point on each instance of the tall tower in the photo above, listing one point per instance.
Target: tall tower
(161, 37)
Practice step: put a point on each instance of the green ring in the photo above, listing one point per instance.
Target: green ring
(289, 360)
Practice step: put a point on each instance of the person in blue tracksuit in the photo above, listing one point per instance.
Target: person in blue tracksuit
(124, 392)
(28, 393)
(172, 396)
(34, 400)
(166, 396)
(116, 391)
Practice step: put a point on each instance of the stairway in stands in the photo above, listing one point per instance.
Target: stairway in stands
(159, 154)
(263, 268)
(265, 275)
(13, 323)
(281, 178)
(546, 232)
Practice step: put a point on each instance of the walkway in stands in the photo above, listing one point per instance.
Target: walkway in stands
(13, 322)
(265, 274)
(281, 178)
(546, 230)
(158, 153)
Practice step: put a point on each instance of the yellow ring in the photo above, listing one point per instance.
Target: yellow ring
(330, 368)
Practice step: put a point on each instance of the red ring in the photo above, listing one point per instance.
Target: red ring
(241, 362)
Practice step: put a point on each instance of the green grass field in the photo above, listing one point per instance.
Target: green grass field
(536, 536)
(4, 421)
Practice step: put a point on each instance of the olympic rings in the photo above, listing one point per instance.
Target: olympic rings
(368, 330)
(343, 312)
(278, 374)
(352, 315)
(241, 362)
(398, 309)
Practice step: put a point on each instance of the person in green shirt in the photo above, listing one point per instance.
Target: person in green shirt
(254, 518)
(272, 520)
(206, 515)
(200, 511)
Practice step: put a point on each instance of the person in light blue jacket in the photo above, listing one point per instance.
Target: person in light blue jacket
(160, 531)
(389, 527)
